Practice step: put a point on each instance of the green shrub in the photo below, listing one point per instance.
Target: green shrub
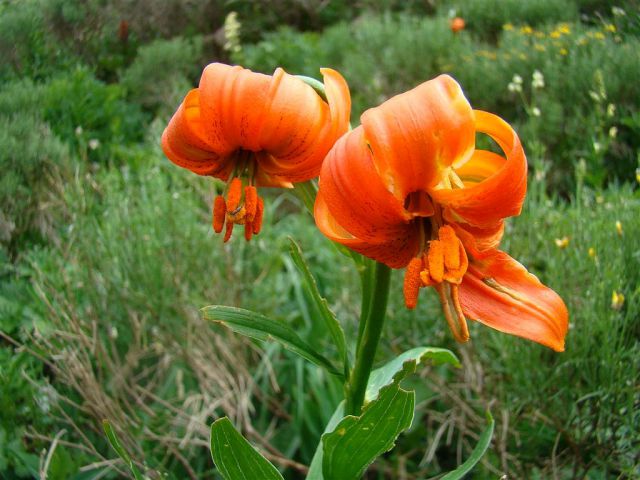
(26, 46)
(30, 157)
(91, 116)
(162, 72)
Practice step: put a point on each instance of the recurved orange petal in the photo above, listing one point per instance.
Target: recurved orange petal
(417, 135)
(301, 127)
(185, 143)
(495, 187)
(500, 293)
(357, 197)
(394, 250)
(233, 103)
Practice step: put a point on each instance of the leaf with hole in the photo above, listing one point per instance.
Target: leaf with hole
(357, 441)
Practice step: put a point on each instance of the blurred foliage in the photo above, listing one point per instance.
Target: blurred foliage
(162, 72)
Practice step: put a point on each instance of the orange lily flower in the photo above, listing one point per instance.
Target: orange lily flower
(255, 130)
(457, 24)
(408, 189)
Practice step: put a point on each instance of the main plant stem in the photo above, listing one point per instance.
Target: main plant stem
(371, 329)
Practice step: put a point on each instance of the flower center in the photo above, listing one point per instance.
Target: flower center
(240, 203)
(442, 265)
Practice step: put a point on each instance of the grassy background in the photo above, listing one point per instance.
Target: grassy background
(107, 253)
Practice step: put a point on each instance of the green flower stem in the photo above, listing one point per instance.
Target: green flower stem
(369, 339)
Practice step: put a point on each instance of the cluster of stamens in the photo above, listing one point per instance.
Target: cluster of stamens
(441, 265)
(239, 208)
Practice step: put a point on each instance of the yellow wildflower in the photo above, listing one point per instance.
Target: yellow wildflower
(555, 34)
(599, 35)
(564, 29)
(527, 30)
(539, 47)
(617, 300)
(562, 242)
(564, 51)
(592, 252)
(507, 27)
(610, 28)
(619, 227)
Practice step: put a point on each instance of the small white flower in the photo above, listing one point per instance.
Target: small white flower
(618, 12)
(597, 147)
(535, 111)
(613, 132)
(514, 87)
(611, 110)
(517, 79)
(94, 144)
(78, 130)
(113, 332)
(538, 79)
(594, 96)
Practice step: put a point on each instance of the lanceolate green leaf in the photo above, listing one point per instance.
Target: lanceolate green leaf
(315, 469)
(405, 364)
(122, 453)
(258, 326)
(390, 374)
(483, 443)
(235, 458)
(357, 441)
(329, 319)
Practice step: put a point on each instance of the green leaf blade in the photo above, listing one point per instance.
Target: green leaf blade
(357, 441)
(404, 365)
(117, 446)
(234, 456)
(255, 325)
(330, 320)
(478, 452)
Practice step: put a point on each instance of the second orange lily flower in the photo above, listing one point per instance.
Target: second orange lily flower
(253, 130)
(408, 189)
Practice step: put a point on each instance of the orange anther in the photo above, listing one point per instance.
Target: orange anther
(233, 194)
(412, 282)
(248, 231)
(435, 258)
(219, 211)
(250, 202)
(451, 245)
(427, 281)
(257, 220)
(455, 275)
(228, 232)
